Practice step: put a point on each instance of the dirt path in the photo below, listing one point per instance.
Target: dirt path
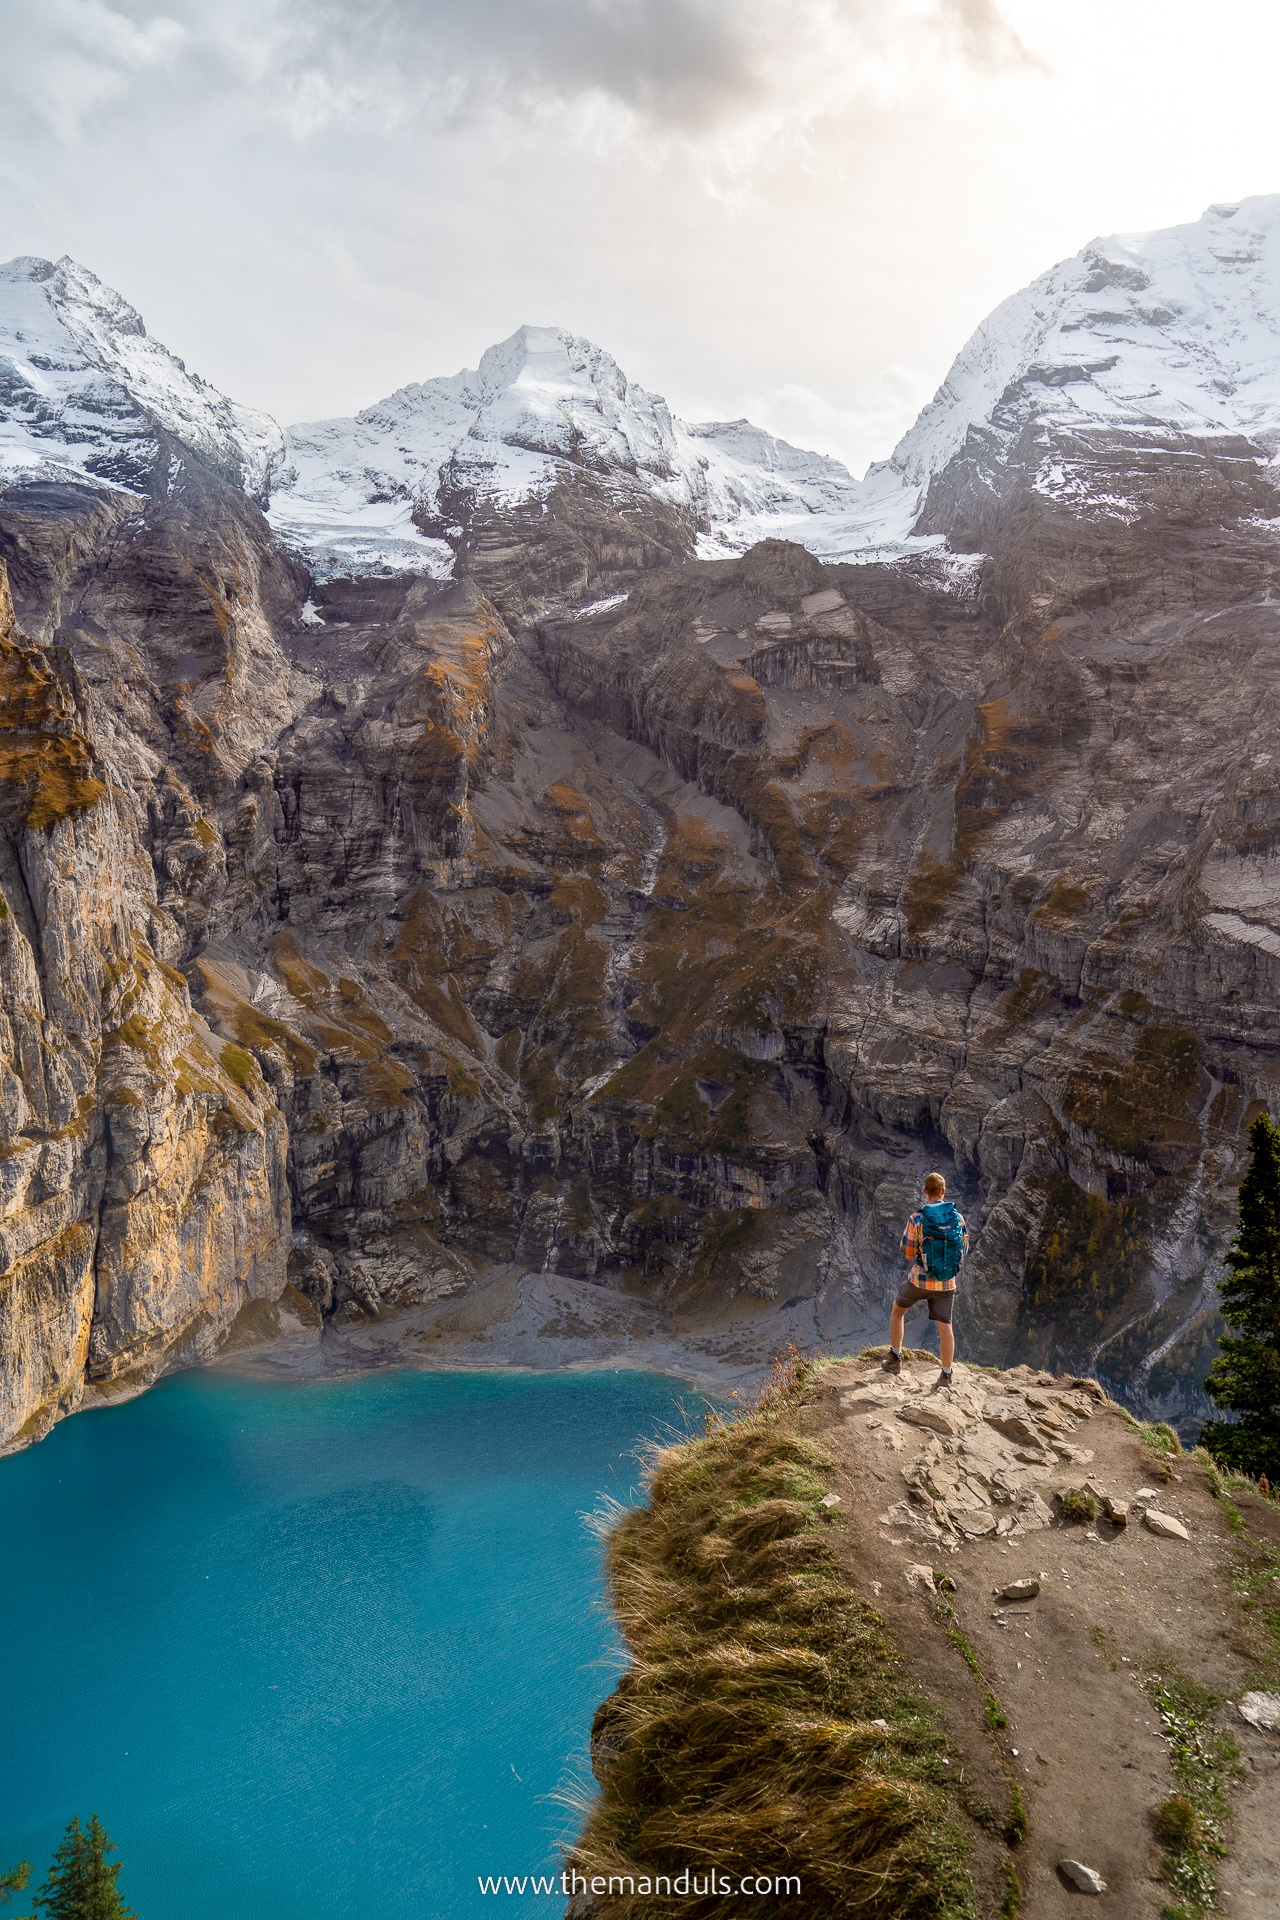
(966, 1483)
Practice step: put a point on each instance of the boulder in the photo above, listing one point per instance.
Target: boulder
(1046, 1417)
(1034, 1514)
(975, 1524)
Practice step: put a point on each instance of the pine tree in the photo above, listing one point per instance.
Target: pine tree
(80, 1884)
(1245, 1378)
(14, 1880)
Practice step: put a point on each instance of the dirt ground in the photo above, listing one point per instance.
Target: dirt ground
(1116, 1604)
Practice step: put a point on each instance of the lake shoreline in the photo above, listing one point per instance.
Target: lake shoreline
(538, 1322)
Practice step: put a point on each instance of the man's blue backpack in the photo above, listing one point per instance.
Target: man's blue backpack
(941, 1240)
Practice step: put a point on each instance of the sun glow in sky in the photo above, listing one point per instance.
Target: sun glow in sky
(794, 209)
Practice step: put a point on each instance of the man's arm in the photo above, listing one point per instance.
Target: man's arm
(911, 1240)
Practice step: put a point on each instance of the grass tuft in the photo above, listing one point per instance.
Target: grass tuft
(1018, 1822)
(1079, 1505)
(1011, 1904)
(1191, 1824)
(1257, 1572)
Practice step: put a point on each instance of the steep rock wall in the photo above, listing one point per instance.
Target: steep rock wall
(144, 1197)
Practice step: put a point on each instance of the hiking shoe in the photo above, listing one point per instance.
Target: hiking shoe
(893, 1364)
(944, 1377)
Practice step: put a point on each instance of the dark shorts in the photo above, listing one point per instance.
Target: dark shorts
(940, 1304)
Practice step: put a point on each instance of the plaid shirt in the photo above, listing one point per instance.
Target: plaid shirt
(911, 1247)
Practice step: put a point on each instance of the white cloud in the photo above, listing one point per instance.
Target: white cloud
(868, 427)
(767, 205)
(71, 57)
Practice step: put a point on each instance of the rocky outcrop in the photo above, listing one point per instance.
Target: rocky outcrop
(874, 1598)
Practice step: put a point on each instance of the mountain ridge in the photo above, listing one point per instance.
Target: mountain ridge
(1184, 316)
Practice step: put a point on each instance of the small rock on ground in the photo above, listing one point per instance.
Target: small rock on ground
(1086, 1879)
(975, 1524)
(1020, 1590)
(1262, 1710)
(1165, 1525)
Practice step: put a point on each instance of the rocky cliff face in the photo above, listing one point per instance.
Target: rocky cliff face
(144, 1180)
(636, 921)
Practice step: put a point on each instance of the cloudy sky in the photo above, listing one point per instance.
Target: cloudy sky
(796, 209)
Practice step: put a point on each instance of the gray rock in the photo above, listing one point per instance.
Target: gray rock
(937, 1418)
(1020, 1590)
(975, 1524)
(1262, 1710)
(1084, 1879)
(1165, 1525)
(1017, 1426)
(1034, 1514)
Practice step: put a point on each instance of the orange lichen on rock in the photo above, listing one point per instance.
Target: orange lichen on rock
(45, 760)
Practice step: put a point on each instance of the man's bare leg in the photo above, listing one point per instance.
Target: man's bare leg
(946, 1344)
(897, 1321)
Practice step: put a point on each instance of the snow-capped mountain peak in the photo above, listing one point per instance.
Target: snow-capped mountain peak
(377, 491)
(1152, 341)
(84, 388)
(1145, 335)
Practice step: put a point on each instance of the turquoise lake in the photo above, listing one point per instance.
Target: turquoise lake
(323, 1649)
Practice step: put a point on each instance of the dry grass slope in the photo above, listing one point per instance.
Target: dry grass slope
(766, 1725)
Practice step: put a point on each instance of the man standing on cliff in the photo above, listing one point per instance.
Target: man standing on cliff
(935, 1242)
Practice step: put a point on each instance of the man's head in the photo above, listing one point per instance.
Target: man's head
(935, 1188)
